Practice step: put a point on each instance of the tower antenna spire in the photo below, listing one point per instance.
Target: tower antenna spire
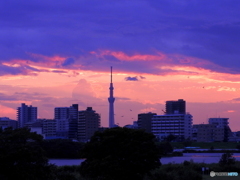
(111, 74)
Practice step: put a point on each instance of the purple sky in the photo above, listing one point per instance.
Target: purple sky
(146, 41)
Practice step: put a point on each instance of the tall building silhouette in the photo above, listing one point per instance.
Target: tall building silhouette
(73, 122)
(88, 124)
(26, 114)
(145, 121)
(176, 107)
(111, 100)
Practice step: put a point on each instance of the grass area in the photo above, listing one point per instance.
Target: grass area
(207, 145)
(208, 177)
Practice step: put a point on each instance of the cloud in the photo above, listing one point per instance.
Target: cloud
(83, 90)
(94, 35)
(131, 78)
(226, 89)
(122, 99)
(59, 71)
(6, 69)
(25, 96)
(236, 99)
(149, 109)
(68, 61)
(24, 69)
(135, 78)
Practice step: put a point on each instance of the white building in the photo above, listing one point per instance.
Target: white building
(178, 125)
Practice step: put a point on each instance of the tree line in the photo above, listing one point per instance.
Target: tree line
(116, 153)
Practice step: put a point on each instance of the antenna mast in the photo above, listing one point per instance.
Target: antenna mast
(111, 74)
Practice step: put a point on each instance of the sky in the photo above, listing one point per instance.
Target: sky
(57, 53)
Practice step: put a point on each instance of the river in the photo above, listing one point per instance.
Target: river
(196, 157)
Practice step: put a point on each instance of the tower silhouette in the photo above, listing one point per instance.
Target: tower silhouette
(111, 100)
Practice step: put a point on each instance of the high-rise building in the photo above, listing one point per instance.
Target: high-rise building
(179, 125)
(73, 121)
(176, 107)
(66, 121)
(88, 124)
(61, 112)
(145, 121)
(26, 114)
(111, 100)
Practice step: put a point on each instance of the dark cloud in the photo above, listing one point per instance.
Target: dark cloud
(22, 96)
(59, 71)
(73, 29)
(23, 70)
(68, 61)
(236, 99)
(135, 78)
(6, 70)
(131, 78)
(122, 99)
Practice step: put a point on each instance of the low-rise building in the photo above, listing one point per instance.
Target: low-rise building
(179, 125)
(5, 122)
(49, 128)
(208, 133)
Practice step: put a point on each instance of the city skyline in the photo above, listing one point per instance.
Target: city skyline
(54, 54)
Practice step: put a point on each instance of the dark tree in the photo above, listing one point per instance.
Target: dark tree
(170, 138)
(227, 159)
(62, 148)
(238, 146)
(211, 148)
(21, 156)
(164, 148)
(120, 153)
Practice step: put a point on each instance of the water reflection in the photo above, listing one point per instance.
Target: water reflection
(195, 157)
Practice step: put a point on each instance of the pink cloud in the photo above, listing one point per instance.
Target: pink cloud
(47, 58)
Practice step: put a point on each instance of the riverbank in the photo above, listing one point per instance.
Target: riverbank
(205, 145)
(186, 150)
(194, 157)
(171, 171)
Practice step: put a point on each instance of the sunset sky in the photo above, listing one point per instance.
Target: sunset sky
(56, 53)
